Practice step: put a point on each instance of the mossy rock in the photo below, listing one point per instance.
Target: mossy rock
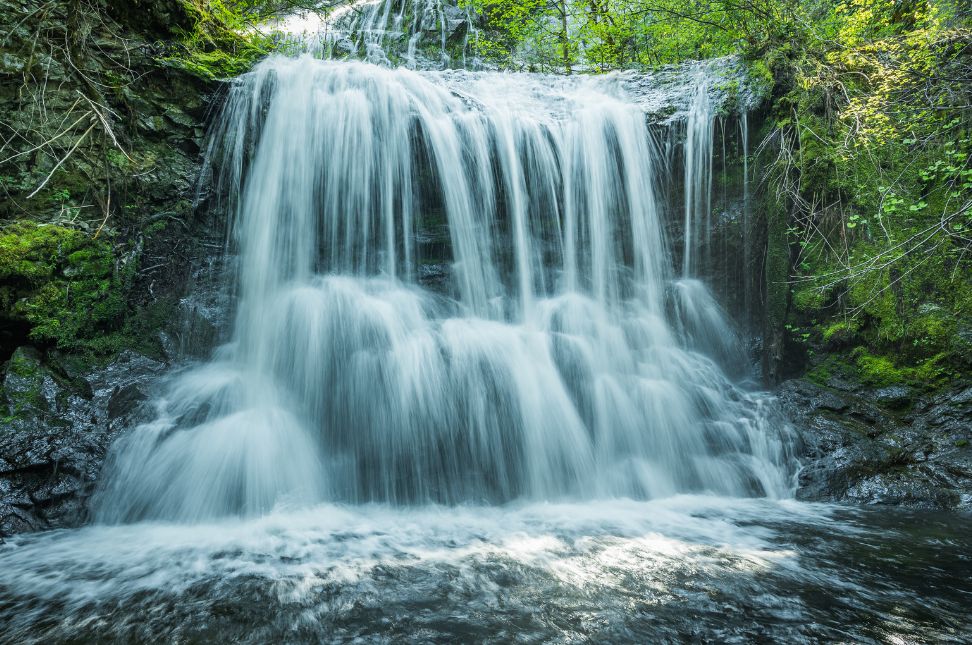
(31, 252)
(840, 334)
(214, 65)
(23, 387)
(809, 299)
(832, 369)
(33, 390)
(882, 371)
(63, 284)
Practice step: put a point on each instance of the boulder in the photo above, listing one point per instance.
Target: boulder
(56, 432)
(890, 446)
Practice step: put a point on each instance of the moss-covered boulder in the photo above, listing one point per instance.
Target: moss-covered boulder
(60, 287)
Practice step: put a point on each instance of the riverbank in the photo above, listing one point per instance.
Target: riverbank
(889, 446)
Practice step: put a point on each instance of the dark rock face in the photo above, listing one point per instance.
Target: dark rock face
(888, 446)
(55, 433)
(123, 178)
(130, 184)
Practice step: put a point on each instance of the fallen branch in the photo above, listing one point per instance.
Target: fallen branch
(63, 159)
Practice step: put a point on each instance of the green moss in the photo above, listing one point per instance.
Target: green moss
(141, 330)
(218, 44)
(731, 90)
(808, 299)
(873, 294)
(760, 78)
(880, 371)
(26, 393)
(29, 253)
(63, 283)
(933, 372)
(932, 331)
(216, 64)
(118, 160)
(821, 374)
(777, 265)
(840, 332)
(22, 365)
(156, 227)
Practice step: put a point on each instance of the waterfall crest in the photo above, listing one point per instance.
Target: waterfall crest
(453, 288)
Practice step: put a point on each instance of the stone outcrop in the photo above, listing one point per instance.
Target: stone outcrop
(56, 430)
(99, 239)
(888, 445)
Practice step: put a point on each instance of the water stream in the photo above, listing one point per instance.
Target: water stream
(471, 393)
(561, 358)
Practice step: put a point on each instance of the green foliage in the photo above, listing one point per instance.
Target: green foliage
(219, 43)
(608, 34)
(874, 167)
(65, 285)
(530, 32)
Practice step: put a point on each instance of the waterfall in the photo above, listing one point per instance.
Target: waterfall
(697, 229)
(382, 32)
(452, 287)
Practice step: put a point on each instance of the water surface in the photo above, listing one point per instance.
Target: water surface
(688, 568)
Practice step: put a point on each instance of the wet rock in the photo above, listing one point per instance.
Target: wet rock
(865, 449)
(963, 397)
(56, 434)
(124, 400)
(895, 397)
(456, 23)
(437, 277)
(814, 398)
(178, 117)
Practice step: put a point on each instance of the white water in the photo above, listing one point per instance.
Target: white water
(681, 569)
(381, 31)
(698, 148)
(469, 397)
(562, 360)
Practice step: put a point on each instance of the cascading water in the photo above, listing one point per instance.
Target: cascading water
(471, 394)
(381, 30)
(563, 360)
(697, 227)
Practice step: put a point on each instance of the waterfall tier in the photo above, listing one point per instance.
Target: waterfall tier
(556, 354)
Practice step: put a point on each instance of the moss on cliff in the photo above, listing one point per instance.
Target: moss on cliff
(217, 43)
(69, 288)
(874, 147)
(102, 137)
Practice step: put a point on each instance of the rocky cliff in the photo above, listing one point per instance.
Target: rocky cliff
(99, 154)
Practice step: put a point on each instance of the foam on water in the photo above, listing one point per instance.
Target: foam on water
(681, 568)
(550, 440)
